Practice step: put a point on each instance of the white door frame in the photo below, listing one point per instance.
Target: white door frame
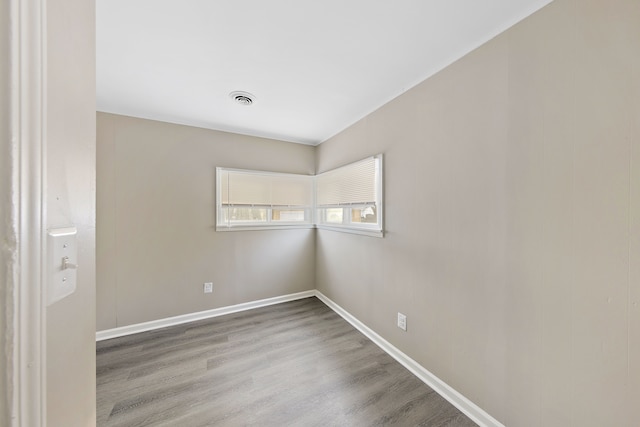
(26, 309)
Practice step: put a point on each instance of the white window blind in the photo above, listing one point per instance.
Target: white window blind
(349, 198)
(350, 185)
(292, 190)
(248, 188)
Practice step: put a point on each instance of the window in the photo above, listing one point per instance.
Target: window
(350, 198)
(253, 199)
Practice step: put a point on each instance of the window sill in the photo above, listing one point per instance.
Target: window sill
(339, 229)
(351, 230)
(263, 227)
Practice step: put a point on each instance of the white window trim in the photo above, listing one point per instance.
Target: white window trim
(269, 224)
(375, 230)
(371, 230)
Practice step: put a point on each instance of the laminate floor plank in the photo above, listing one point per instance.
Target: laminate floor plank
(291, 364)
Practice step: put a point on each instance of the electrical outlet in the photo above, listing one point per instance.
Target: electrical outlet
(208, 287)
(402, 321)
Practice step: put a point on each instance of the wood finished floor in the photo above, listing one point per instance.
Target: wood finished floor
(291, 364)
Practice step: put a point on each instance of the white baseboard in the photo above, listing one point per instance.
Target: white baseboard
(467, 407)
(191, 317)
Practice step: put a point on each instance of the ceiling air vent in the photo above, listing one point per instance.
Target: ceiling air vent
(242, 98)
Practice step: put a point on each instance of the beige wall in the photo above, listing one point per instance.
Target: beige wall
(70, 200)
(157, 242)
(512, 219)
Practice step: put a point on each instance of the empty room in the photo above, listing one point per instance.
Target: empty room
(273, 213)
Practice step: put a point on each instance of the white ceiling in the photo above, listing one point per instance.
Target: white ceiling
(315, 67)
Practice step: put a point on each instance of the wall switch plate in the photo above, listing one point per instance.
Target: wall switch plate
(62, 264)
(208, 287)
(402, 321)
